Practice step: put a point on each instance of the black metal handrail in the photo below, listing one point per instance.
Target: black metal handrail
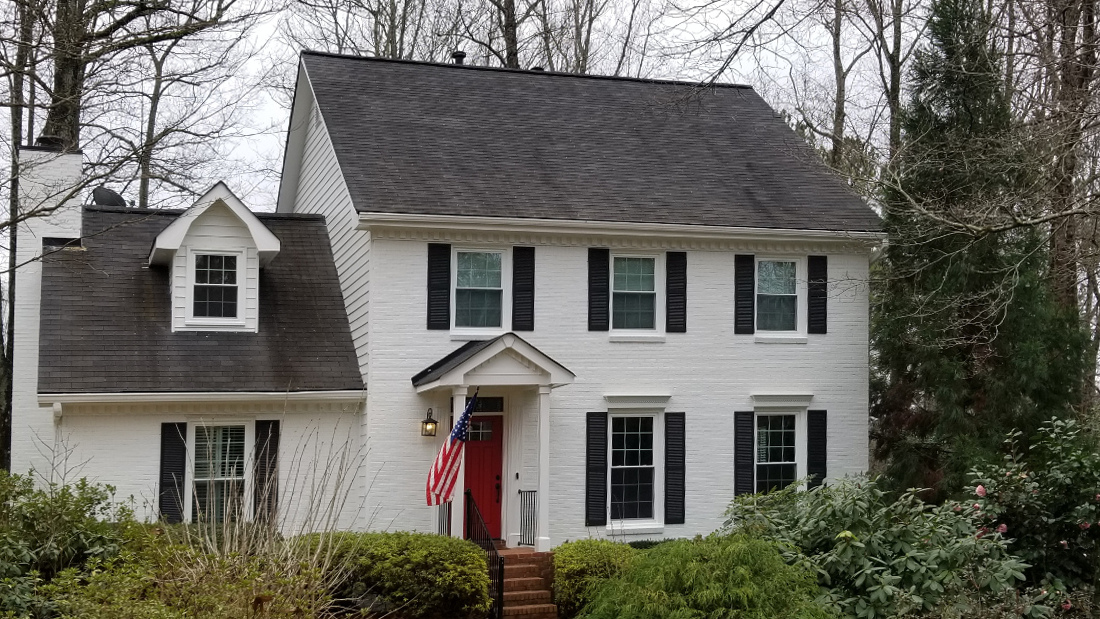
(528, 517)
(445, 519)
(478, 533)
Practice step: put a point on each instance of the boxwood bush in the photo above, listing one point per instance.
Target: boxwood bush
(581, 566)
(719, 577)
(412, 574)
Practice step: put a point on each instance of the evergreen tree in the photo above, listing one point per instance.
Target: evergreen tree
(967, 339)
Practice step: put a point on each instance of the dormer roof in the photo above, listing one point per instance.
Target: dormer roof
(169, 241)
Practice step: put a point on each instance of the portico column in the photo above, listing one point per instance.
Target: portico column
(458, 500)
(542, 544)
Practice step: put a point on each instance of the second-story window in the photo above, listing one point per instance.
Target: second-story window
(479, 289)
(776, 295)
(633, 293)
(215, 286)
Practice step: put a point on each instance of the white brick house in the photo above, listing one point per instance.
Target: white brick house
(658, 291)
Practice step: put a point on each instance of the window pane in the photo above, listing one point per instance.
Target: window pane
(775, 438)
(477, 308)
(774, 476)
(775, 277)
(219, 472)
(478, 270)
(633, 310)
(634, 274)
(215, 301)
(776, 313)
(631, 493)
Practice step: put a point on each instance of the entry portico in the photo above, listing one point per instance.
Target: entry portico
(519, 378)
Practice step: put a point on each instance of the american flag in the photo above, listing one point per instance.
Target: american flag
(444, 473)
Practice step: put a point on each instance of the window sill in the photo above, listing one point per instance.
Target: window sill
(197, 325)
(781, 339)
(642, 527)
(645, 338)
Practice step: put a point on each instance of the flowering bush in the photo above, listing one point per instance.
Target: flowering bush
(877, 557)
(1049, 501)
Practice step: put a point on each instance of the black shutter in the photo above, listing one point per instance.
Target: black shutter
(599, 288)
(744, 465)
(595, 479)
(744, 293)
(173, 470)
(439, 286)
(817, 444)
(676, 282)
(817, 301)
(523, 288)
(674, 468)
(266, 471)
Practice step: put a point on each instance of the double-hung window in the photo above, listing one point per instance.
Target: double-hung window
(215, 292)
(776, 460)
(634, 292)
(219, 487)
(479, 289)
(776, 295)
(632, 468)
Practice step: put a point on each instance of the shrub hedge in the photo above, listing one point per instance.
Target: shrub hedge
(414, 574)
(735, 577)
(581, 566)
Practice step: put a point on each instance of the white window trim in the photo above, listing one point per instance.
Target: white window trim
(657, 333)
(213, 323)
(467, 333)
(798, 336)
(799, 440)
(249, 448)
(639, 526)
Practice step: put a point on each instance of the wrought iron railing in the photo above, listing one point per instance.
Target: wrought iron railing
(528, 517)
(445, 519)
(478, 533)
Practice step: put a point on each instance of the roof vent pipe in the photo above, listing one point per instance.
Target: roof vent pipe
(458, 56)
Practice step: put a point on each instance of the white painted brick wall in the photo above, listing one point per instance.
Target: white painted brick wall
(709, 371)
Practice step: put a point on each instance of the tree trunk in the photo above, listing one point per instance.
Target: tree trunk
(837, 156)
(510, 28)
(63, 119)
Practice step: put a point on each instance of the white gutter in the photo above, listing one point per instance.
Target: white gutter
(371, 221)
(47, 399)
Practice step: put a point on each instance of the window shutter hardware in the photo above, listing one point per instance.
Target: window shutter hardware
(817, 294)
(599, 288)
(744, 464)
(744, 293)
(439, 286)
(173, 471)
(523, 288)
(676, 285)
(595, 513)
(675, 469)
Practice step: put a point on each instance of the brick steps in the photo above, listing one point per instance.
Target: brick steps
(528, 576)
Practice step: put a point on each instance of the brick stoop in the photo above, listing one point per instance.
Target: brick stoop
(528, 577)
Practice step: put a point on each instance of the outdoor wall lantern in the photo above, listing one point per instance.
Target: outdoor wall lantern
(429, 425)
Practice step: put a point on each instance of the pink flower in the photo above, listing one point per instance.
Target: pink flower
(1098, 497)
(982, 531)
(980, 490)
(958, 508)
(1066, 605)
(1002, 528)
(1084, 525)
(1065, 544)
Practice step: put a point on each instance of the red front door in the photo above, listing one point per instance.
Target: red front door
(483, 467)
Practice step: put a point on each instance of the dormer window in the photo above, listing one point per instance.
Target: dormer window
(214, 252)
(215, 286)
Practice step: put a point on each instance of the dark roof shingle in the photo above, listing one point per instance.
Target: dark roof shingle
(421, 138)
(106, 317)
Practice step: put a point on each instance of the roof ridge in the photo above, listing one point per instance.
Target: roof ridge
(449, 65)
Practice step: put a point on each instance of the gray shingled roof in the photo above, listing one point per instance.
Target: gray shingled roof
(453, 359)
(106, 319)
(426, 138)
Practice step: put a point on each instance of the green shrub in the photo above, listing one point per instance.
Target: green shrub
(883, 558)
(1049, 501)
(720, 577)
(581, 566)
(415, 574)
(646, 544)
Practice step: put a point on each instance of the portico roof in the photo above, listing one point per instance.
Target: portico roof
(504, 360)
